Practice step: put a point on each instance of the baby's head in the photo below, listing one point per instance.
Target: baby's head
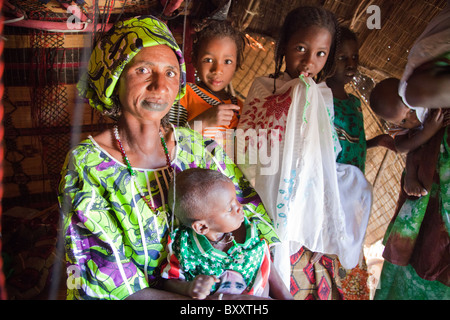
(205, 200)
(218, 48)
(388, 105)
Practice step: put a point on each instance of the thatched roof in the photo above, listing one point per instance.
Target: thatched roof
(383, 51)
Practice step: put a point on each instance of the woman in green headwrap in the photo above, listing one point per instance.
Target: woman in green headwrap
(114, 186)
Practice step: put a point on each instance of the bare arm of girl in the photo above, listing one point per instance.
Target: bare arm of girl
(277, 289)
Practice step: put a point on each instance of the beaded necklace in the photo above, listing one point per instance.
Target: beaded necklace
(229, 96)
(133, 172)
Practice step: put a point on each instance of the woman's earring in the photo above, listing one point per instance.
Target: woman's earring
(115, 111)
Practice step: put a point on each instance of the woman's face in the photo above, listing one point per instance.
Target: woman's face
(347, 61)
(149, 83)
(216, 62)
(307, 51)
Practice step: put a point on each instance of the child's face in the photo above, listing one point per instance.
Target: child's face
(216, 62)
(307, 51)
(403, 116)
(225, 212)
(347, 61)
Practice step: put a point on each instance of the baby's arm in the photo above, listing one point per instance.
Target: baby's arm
(199, 288)
(406, 143)
(277, 289)
(382, 140)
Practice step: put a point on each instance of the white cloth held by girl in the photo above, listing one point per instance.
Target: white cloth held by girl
(314, 201)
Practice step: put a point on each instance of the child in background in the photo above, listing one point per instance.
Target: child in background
(349, 125)
(208, 107)
(304, 194)
(216, 249)
(407, 130)
(348, 116)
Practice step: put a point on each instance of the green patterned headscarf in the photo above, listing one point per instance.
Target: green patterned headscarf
(112, 53)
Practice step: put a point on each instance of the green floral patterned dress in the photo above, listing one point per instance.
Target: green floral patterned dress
(114, 243)
(417, 251)
(349, 125)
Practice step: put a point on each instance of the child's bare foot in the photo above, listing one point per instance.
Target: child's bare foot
(413, 187)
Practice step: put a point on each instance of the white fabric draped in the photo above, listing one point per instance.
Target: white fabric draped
(313, 201)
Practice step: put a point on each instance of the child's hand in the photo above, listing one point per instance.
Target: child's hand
(220, 115)
(200, 287)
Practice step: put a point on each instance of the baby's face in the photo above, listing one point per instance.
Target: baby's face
(225, 212)
(403, 117)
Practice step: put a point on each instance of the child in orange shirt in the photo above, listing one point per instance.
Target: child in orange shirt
(208, 107)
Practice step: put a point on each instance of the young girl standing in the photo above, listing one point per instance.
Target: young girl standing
(292, 113)
(349, 125)
(348, 116)
(208, 107)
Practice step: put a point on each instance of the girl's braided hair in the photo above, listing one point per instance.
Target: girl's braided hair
(347, 34)
(304, 17)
